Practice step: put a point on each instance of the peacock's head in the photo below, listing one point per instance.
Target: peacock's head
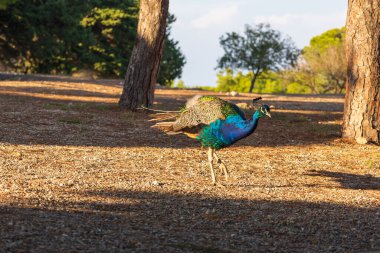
(264, 110)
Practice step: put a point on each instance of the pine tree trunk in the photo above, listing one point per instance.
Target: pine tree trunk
(142, 71)
(361, 120)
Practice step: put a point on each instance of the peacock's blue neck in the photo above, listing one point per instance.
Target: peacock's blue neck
(254, 122)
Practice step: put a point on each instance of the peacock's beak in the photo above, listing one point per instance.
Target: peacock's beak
(268, 114)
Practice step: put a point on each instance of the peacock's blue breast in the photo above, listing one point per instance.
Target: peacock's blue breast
(223, 133)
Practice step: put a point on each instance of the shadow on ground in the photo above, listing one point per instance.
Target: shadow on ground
(32, 91)
(161, 222)
(350, 181)
(36, 120)
(57, 78)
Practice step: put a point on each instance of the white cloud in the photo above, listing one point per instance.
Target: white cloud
(306, 19)
(216, 17)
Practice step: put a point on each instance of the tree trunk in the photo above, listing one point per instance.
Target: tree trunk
(361, 120)
(142, 71)
(253, 81)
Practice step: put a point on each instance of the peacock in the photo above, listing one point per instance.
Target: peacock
(215, 122)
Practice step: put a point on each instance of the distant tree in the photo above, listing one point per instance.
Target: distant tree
(173, 60)
(326, 56)
(142, 71)
(227, 80)
(361, 120)
(180, 84)
(260, 49)
(268, 82)
(303, 73)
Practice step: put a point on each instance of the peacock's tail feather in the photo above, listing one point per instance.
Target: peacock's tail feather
(167, 127)
(163, 116)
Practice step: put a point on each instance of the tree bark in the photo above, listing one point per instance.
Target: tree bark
(253, 81)
(143, 67)
(361, 120)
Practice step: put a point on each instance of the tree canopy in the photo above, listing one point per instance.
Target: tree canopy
(259, 49)
(320, 68)
(4, 3)
(62, 37)
(326, 55)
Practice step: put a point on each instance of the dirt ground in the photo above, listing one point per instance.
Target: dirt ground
(77, 174)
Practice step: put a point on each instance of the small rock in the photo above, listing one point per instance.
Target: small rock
(234, 93)
(156, 183)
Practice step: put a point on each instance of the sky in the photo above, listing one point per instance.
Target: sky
(200, 24)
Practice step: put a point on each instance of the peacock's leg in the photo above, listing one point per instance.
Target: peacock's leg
(222, 165)
(210, 159)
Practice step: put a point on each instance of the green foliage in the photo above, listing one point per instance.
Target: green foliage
(325, 58)
(321, 43)
(321, 68)
(57, 36)
(40, 36)
(111, 35)
(229, 81)
(172, 60)
(207, 88)
(269, 82)
(180, 84)
(296, 88)
(5, 3)
(303, 79)
(260, 49)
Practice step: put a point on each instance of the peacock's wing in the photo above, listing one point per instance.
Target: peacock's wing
(203, 110)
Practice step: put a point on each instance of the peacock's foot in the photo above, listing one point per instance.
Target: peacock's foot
(210, 160)
(225, 171)
(222, 166)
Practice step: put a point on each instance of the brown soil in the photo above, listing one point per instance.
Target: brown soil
(79, 174)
